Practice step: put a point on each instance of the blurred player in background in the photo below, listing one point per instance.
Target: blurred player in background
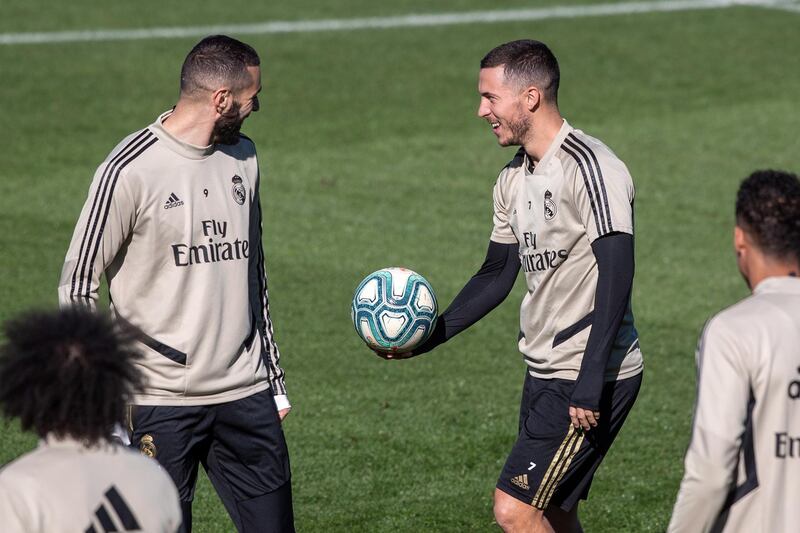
(173, 218)
(67, 377)
(743, 462)
(563, 211)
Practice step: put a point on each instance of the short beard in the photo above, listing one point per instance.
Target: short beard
(226, 130)
(520, 127)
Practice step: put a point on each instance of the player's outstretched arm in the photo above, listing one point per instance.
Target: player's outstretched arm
(482, 293)
(615, 265)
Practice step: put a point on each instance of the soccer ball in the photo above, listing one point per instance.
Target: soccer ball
(394, 310)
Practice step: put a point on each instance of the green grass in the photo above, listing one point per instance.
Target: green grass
(373, 156)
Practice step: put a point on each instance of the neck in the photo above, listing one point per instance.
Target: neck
(545, 125)
(190, 124)
(770, 268)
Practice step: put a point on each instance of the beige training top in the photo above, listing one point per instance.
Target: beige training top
(742, 468)
(64, 486)
(579, 191)
(177, 230)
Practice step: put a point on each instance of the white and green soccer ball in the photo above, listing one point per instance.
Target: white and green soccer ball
(394, 310)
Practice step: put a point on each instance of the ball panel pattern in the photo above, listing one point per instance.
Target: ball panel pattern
(394, 309)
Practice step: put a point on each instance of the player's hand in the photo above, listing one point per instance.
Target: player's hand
(284, 412)
(583, 418)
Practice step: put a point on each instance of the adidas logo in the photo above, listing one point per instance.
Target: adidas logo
(113, 514)
(521, 481)
(173, 201)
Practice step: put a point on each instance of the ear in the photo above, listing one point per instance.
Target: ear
(739, 241)
(533, 97)
(741, 246)
(223, 100)
(746, 256)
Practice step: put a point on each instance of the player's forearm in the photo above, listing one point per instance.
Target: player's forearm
(66, 298)
(722, 431)
(80, 277)
(696, 508)
(263, 320)
(483, 292)
(615, 267)
(271, 356)
(702, 494)
(259, 302)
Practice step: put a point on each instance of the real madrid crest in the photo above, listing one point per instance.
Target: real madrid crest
(147, 446)
(549, 206)
(238, 190)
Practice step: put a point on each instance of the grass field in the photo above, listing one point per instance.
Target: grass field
(373, 157)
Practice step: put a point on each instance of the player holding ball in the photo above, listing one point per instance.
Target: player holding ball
(563, 212)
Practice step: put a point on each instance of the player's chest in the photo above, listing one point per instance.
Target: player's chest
(540, 208)
(203, 203)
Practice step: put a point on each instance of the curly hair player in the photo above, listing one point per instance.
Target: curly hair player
(67, 376)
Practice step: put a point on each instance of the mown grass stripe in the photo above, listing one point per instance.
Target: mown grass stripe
(401, 21)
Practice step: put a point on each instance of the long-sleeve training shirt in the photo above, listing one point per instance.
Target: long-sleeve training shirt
(742, 468)
(554, 210)
(64, 485)
(176, 229)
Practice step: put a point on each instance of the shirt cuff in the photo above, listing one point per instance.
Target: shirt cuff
(282, 402)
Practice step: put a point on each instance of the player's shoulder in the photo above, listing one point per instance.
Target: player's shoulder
(512, 168)
(133, 155)
(130, 147)
(579, 140)
(121, 453)
(244, 149)
(517, 161)
(247, 143)
(132, 462)
(735, 334)
(733, 321)
(24, 468)
(146, 472)
(760, 309)
(584, 153)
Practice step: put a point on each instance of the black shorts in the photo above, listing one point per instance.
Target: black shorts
(552, 463)
(241, 446)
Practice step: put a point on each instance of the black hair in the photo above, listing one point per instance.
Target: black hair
(67, 373)
(217, 61)
(527, 62)
(768, 209)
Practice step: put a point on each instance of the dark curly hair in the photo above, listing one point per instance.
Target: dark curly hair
(768, 208)
(67, 373)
